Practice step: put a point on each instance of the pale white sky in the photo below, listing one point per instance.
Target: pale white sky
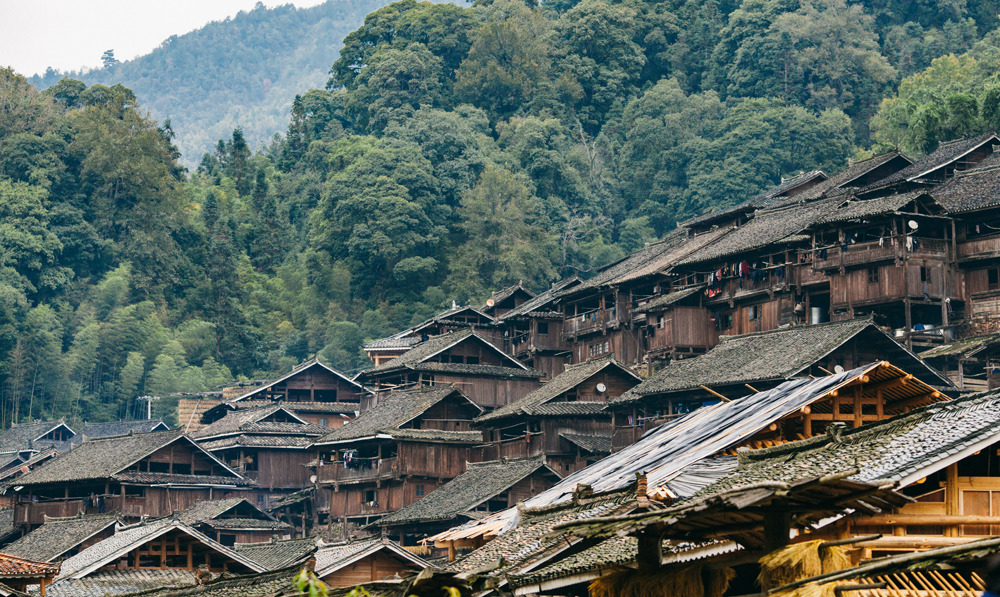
(69, 34)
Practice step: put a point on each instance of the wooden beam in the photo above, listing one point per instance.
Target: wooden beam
(892, 520)
(714, 393)
(951, 497)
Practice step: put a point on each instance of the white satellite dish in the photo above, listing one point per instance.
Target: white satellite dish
(913, 225)
(838, 369)
(490, 302)
(312, 479)
(601, 388)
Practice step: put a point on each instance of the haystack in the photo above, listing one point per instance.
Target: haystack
(689, 581)
(800, 560)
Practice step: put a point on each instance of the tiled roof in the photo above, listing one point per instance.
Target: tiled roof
(840, 182)
(7, 523)
(37, 459)
(542, 300)
(393, 410)
(261, 441)
(533, 538)
(480, 482)
(314, 362)
(430, 435)
(776, 355)
(766, 227)
(92, 430)
(606, 555)
(59, 535)
(974, 189)
(127, 538)
(945, 154)
(277, 583)
(966, 348)
(596, 444)
(237, 420)
(212, 509)
(22, 437)
(902, 449)
(416, 358)
(560, 409)
(178, 479)
(331, 558)
(292, 498)
(248, 523)
(867, 208)
(665, 452)
(12, 566)
(278, 554)
(573, 376)
(120, 582)
(768, 198)
(107, 458)
(666, 300)
(506, 293)
(392, 343)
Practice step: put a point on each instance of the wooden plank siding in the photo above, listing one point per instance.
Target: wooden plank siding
(378, 566)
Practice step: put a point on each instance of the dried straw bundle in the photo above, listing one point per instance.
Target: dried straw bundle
(689, 581)
(810, 590)
(800, 560)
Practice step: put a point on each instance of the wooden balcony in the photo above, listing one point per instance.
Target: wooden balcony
(369, 470)
(514, 448)
(532, 341)
(980, 248)
(872, 252)
(595, 321)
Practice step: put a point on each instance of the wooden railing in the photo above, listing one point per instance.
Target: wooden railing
(873, 252)
(593, 321)
(371, 469)
(513, 448)
(35, 512)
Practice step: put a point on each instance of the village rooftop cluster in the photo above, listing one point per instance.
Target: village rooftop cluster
(799, 395)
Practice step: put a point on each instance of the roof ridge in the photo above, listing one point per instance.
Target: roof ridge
(540, 459)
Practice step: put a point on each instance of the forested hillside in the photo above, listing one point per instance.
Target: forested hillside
(242, 71)
(453, 151)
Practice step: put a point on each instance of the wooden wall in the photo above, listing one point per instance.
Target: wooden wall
(489, 392)
(282, 469)
(378, 566)
(432, 459)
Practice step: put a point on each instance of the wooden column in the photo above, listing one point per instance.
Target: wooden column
(190, 554)
(879, 404)
(777, 528)
(857, 405)
(951, 498)
(163, 553)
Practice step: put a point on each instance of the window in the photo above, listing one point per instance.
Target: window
(923, 274)
(659, 322)
(420, 491)
(598, 349)
(993, 279)
(472, 360)
(370, 497)
(260, 501)
(754, 312)
(873, 275)
(227, 540)
(324, 423)
(543, 328)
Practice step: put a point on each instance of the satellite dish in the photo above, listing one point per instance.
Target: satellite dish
(838, 369)
(312, 479)
(913, 225)
(490, 302)
(601, 388)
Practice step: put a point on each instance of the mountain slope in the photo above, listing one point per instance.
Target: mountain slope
(243, 71)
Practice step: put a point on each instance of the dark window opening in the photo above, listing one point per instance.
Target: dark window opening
(993, 278)
(370, 496)
(227, 540)
(923, 274)
(159, 467)
(182, 469)
(472, 360)
(543, 328)
(873, 275)
(135, 491)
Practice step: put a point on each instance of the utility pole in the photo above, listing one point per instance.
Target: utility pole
(149, 404)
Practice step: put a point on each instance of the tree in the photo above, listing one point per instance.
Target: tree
(108, 58)
(506, 241)
(393, 85)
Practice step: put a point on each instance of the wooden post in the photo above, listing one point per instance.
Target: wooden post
(163, 552)
(451, 551)
(857, 405)
(650, 549)
(777, 528)
(951, 498)
(879, 404)
(190, 554)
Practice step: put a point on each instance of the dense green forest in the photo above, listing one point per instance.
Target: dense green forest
(242, 71)
(453, 151)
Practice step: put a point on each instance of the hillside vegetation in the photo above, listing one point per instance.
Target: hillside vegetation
(242, 71)
(452, 151)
